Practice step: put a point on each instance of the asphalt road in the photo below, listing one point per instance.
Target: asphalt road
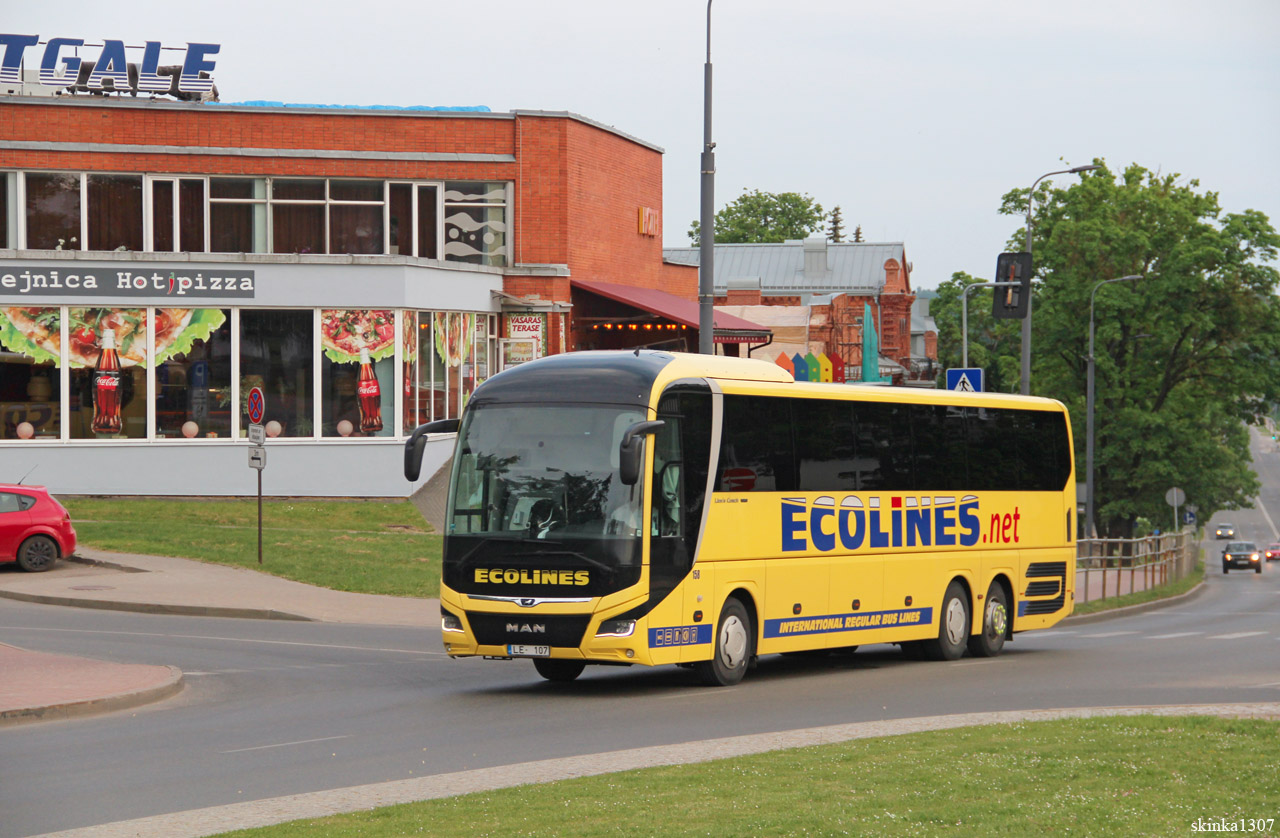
(276, 708)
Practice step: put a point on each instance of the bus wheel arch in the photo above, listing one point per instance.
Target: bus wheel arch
(733, 642)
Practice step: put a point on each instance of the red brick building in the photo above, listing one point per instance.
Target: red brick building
(447, 244)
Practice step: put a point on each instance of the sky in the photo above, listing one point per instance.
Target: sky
(915, 117)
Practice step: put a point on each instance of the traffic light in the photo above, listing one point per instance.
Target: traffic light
(1010, 302)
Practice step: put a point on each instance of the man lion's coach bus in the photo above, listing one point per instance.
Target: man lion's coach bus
(655, 508)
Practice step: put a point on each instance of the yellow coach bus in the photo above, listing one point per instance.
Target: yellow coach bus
(651, 508)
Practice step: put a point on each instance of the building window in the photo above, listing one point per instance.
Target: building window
(193, 373)
(276, 353)
(30, 387)
(8, 217)
(53, 211)
(108, 394)
(115, 212)
(414, 220)
(357, 372)
(475, 228)
(297, 216)
(238, 215)
(177, 215)
(355, 216)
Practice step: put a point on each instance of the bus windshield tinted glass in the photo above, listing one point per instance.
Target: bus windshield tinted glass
(544, 474)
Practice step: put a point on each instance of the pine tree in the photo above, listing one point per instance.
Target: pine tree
(857, 233)
(836, 232)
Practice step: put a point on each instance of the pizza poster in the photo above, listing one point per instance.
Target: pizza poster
(37, 333)
(345, 332)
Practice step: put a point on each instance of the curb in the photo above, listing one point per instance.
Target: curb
(1130, 610)
(93, 706)
(100, 563)
(156, 608)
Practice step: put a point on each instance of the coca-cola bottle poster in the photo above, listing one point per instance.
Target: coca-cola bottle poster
(358, 374)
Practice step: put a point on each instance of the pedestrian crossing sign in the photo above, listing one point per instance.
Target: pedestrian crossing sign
(965, 379)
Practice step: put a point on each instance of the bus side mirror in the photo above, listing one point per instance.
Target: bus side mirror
(417, 443)
(629, 450)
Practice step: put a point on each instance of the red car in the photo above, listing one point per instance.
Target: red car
(35, 529)
(1273, 551)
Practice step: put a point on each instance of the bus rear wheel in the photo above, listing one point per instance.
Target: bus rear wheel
(557, 669)
(953, 627)
(733, 647)
(995, 621)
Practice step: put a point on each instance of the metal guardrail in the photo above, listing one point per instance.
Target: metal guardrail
(1118, 566)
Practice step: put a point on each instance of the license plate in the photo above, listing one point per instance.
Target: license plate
(517, 651)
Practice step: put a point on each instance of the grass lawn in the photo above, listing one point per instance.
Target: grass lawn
(371, 547)
(1143, 775)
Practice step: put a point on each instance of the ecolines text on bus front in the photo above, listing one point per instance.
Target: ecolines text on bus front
(857, 521)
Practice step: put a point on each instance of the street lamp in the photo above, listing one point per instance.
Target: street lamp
(707, 242)
(1025, 389)
(1088, 455)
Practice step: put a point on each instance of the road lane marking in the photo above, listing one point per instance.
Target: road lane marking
(1275, 534)
(1237, 635)
(286, 744)
(1054, 633)
(1175, 634)
(1108, 634)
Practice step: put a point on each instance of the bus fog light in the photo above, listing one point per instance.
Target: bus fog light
(631, 653)
(616, 628)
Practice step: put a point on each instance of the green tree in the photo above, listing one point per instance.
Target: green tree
(765, 217)
(1184, 358)
(994, 345)
(836, 231)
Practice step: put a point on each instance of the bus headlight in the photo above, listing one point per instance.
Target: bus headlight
(450, 622)
(616, 628)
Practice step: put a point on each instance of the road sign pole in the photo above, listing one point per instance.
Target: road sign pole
(259, 516)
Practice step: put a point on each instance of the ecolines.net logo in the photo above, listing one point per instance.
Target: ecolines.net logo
(856, 521)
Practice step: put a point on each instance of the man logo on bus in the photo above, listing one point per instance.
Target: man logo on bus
(909, 522)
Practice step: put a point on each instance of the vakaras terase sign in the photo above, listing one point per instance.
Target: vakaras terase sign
(60, 66)
(158, 281)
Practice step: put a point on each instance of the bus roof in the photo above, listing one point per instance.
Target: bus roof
(629, 376)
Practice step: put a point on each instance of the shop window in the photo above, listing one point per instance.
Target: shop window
(193, 373)
(237, 215)
(53, 211)
(107, 352)
(453, 334)
(417, 399)
(357, 372)
(177, 219)
(475, 228)
(30, 387)
(355, 216)
(433, 375)
(297, 216)
(276, 353)
(115, 212)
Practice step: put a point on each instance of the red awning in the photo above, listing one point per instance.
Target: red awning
(728, 329)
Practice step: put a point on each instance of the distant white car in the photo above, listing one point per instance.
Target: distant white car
(1225, 531)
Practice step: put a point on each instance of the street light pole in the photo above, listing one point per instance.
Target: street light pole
(707, 222)
(964, 315)
(1088, 434)
(1025, 388)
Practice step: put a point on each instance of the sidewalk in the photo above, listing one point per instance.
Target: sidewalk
(35, 685)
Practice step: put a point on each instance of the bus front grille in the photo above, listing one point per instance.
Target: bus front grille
(542, 629)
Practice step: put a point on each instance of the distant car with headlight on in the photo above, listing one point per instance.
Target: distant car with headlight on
(1242, 554)
(1225, 531)
(1273, 551)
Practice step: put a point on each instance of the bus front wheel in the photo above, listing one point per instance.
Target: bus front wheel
(953, 627)
(995, 621)
(558, 669)
(733, 647)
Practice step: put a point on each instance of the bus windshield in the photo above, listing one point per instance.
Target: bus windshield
(546, 475)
